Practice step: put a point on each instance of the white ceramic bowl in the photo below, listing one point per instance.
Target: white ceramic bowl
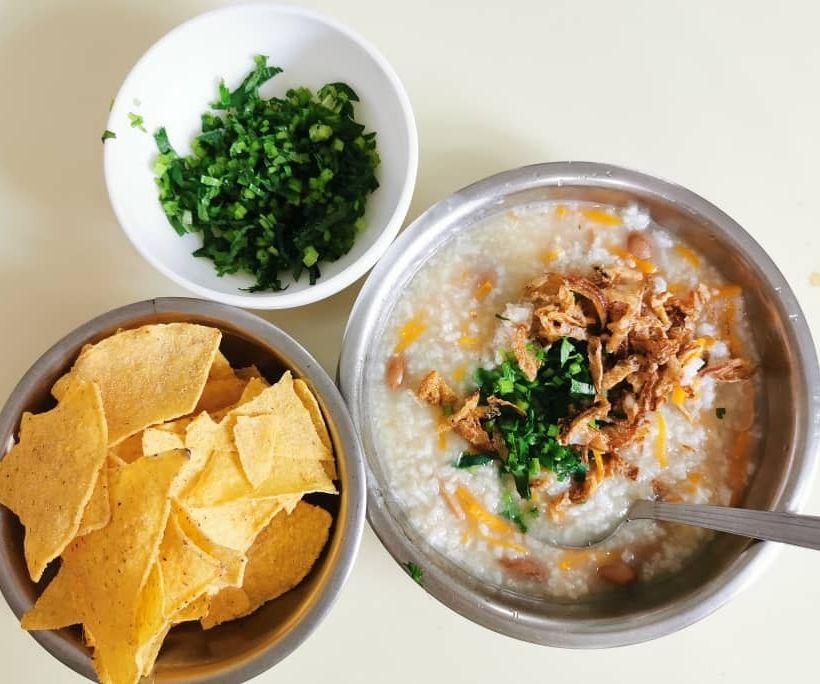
(173, 83)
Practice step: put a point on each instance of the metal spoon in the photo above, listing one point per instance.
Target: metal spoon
(787, 528)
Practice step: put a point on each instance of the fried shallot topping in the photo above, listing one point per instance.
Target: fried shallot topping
(435, 391)
(523, 354)
(466, 423)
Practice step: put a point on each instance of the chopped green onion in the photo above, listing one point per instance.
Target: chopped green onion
(136, 121)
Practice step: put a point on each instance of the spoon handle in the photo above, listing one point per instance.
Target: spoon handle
(788, 528)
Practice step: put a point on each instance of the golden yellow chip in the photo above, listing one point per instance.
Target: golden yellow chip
(166, 366)
(101, 580)
(280, 558)
(253, 389)
(165, 437)
(187, 570)
(195, 610)
(151, 625)
(307, 397)
(221, 480)
(202, 436)
(297, 437)
(310, 403)
(129, 450)
(97, 512)
(248, 373)
(220, 394)
(295, 477)
(234, 524)
(233, 562)
(256, 442)
(48, 478)
(149, 652)
(220, 368)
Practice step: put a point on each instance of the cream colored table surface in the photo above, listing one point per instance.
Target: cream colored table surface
(722, 97)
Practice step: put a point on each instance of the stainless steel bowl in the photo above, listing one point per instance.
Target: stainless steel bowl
(235, 651)
(792, 415)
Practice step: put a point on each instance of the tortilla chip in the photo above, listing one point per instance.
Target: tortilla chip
(98, 510)
(297, 437)
(151, 624)
(290, 501)
(220, 394)
(128, 450)
(187, 571)
(234, 524)
(221, 480)
(202, 436)
(248, 373)
(156, 440)
(195, 610)
(253, 389)
(166, 366)
(280, 558)
(295, 477)
(150, 651)
(233, 562)
(220, 368)
(256, 442)
(48, 478)
(101, 580)
(310, 402)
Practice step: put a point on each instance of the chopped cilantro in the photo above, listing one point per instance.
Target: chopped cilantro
(107, 135)
(562, 386)
(415, 572)
(447, 409)
(720, 412)
(136, 121)
(273, 186)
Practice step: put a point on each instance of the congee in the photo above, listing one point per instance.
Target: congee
(545, 368)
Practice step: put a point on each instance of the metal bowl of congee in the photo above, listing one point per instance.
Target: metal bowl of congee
(547, 346)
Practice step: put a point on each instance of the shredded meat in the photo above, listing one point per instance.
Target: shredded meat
(620, 371)
(526, 359)
(593, 293)
(581, 491)
(596, 363)
(466, 423)
(731, 371)
(553, 325)
(615, 464)
(578, 430)
(435, 391)
(625, 304)
(497, 402)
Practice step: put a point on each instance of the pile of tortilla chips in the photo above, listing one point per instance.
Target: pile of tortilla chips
(170, 485)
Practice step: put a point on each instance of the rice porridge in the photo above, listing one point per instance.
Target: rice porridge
(548, 367)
